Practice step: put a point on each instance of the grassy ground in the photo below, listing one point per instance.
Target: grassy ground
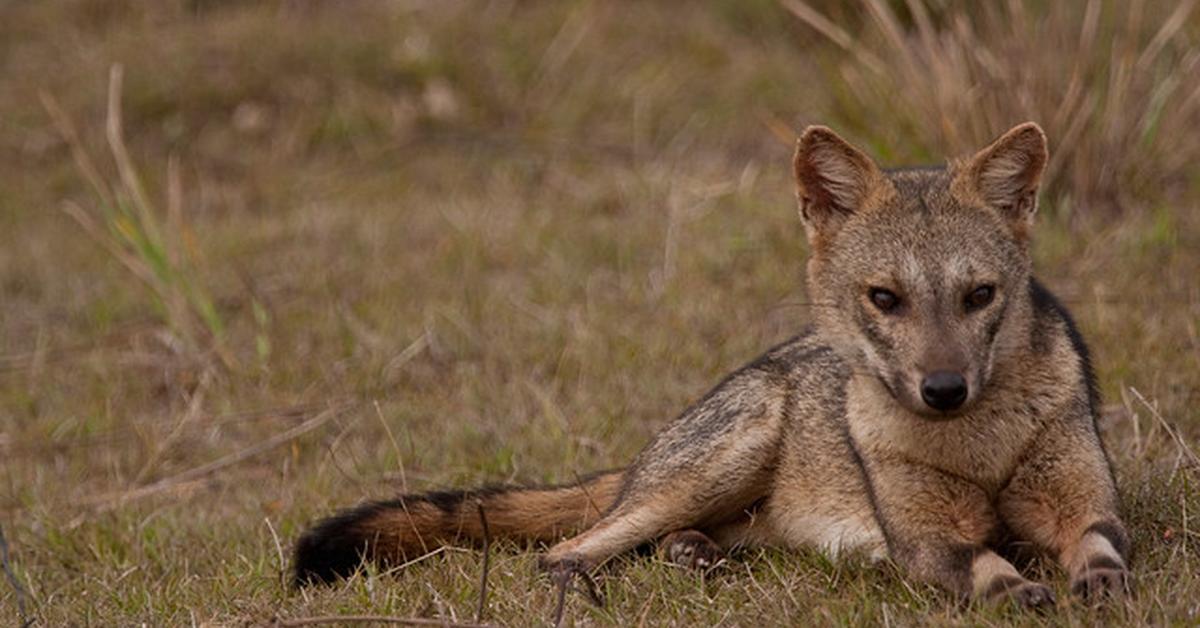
(458, 242)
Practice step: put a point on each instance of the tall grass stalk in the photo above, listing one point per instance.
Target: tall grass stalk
(1116, 85)
(149, 243)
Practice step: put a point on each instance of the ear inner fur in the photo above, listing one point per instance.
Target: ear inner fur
(1006, 174)
(833, 180)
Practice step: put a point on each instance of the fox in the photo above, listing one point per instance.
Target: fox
(940, 405)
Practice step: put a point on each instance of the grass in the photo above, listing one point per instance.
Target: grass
(451, 243)
(1110, 81)
(134, 233)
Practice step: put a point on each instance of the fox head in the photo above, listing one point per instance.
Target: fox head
(921, 276)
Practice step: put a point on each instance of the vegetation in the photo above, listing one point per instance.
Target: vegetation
(349, 249)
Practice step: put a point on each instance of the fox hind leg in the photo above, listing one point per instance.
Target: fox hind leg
(705, 468)
(669, 512)
(704, 548)
(691, 549)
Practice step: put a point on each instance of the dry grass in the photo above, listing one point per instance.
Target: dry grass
(1116, 84)
(455, 242)
(133, 231)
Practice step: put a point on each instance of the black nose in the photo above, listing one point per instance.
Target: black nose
(944, 390)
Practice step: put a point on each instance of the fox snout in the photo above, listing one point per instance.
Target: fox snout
(946, 377)
(944, 380)
(944, 391)
(940, 393)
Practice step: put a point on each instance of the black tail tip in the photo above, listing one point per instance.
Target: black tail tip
(330, 550)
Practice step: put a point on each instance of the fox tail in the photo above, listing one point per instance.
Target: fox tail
(390, 532)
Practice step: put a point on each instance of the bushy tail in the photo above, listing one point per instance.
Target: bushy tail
(389, 532)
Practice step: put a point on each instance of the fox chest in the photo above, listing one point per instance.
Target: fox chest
(984, 448)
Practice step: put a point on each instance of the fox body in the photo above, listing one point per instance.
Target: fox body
(940, 401)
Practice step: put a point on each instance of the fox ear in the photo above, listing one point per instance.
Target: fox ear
(1006, 174)
(833, 179)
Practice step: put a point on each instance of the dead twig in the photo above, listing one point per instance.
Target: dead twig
(591, 590)
(18, 590)
(483, 578)
(579, 481)
(202, 471)
(427, 555)
(283, 581)
(1184, 448)
(112, 436)
(564, 577)
(371, 619)
(560, 605)
(195, 403)
(395, 448)
(404, 357)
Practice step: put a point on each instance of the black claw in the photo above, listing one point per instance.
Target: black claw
(1097, 584)
(565, 573)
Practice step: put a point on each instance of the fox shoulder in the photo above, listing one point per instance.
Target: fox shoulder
(1052, 318)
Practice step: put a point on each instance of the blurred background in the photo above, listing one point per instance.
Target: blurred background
(260, 260)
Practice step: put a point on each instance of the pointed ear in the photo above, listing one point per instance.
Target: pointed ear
(1006, 174)
(833, 180)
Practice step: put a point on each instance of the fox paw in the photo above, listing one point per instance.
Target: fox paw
(1020, 592)
(1095, 583)
(1032, 595)
(692, 549)
(564, 566)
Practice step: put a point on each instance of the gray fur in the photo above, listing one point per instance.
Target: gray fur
(826, 440)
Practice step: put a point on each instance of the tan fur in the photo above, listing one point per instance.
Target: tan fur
(845, 438)
(834, 179)
(1006, 175)
(392, 532)
(534, 515)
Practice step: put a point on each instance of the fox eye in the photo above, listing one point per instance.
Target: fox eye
(885, 300)
(979, 298)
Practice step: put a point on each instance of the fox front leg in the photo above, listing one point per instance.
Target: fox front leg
(703, 469)
(1063, 499)
(938, 529)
